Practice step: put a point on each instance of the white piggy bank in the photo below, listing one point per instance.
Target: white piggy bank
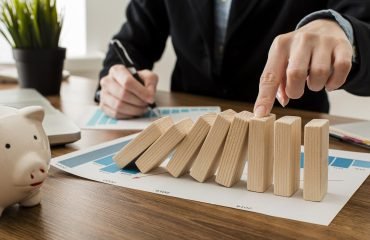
(24, 156)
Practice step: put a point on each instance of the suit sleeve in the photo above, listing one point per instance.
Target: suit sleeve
(358, 14)
(144, 34)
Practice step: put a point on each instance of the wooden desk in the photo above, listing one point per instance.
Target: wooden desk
(75, 208)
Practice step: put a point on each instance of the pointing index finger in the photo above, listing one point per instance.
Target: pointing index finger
(271, 77)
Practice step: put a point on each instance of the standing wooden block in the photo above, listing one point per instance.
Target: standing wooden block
(234, 157)
(287, 155)
(316, 147)
(260, 153)
(188, 149)
(163, 146)
(206, 163)
(140, 143)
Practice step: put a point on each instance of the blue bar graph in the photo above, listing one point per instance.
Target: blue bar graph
(302, 160)
(165, 112)
(147, 115)
(342, 162)
(95, 118)
(361, 164)
(104, 119)
(93, 155)
(111, 168)
(105, 161)
(331, 159)
(130, 170)
(112, 121)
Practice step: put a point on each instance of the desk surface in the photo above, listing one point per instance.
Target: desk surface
(75, 208)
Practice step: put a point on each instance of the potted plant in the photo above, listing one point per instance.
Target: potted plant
(32, 28)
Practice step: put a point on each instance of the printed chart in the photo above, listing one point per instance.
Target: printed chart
(347, 171)
(96, 119)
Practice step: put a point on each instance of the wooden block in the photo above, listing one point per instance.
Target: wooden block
(287, 153)
(260, 153)
(234, 157)
(316, 147)
(206, 163)
(188, 149)
(163, 146)
(142, 141)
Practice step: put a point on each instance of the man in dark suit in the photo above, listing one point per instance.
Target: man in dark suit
(252, 50)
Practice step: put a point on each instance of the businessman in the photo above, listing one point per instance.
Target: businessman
(253, 51)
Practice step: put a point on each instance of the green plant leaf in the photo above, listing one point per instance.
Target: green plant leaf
(11, 24)
(7, 38)
(30, 23)
(33, 9)
(23, 37)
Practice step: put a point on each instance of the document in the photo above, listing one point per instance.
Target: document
(347, 171)
(96, 119)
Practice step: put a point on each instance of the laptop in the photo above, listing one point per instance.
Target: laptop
(58, 127)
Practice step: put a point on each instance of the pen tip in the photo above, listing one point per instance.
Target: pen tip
(154, 109)
(156, 112)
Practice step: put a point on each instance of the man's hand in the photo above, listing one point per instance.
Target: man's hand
(122, 96)
(319, 53)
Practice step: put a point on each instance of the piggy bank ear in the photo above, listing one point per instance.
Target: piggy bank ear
(33, 112)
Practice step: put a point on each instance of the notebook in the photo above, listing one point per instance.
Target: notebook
(59, 128)
(357, 133)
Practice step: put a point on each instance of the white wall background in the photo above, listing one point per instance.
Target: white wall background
(89, 24)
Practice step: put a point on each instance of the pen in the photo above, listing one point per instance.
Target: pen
(129, 64)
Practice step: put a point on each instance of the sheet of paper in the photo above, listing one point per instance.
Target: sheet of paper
(96, 119)
(347, 171)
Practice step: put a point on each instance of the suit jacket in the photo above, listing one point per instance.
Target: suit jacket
(252, 26)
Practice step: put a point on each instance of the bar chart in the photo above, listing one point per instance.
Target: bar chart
(347, 171)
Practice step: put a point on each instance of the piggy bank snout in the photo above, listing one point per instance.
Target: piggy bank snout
(38, 172)
(31, 170)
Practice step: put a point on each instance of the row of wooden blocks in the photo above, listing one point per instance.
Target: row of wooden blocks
(222, 143)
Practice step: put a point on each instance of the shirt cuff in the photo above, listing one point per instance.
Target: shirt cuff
(334, 15)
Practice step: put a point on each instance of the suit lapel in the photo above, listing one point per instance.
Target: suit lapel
(238, 12)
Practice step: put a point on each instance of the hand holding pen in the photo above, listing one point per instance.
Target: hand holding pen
(126, 93)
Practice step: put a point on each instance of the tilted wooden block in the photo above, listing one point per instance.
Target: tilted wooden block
(260, 153)
(234, 157)
(316, 147)
(188, 149)
(140, 143)
(287, 155)
(206, 163)
(163, 146)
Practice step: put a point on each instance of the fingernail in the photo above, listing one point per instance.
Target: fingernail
(283, 101)
(329, 89)
(286, 101)
(279, 98)
(260, 111)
